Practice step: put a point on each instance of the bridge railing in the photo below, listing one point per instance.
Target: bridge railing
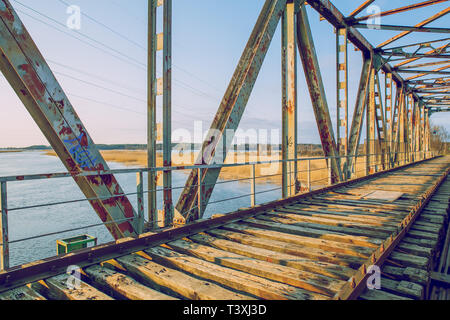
(309, 177)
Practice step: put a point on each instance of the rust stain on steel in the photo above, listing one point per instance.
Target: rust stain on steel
(317, 91)
(235, 99)
(32, 81)
(7, 13)
(45, 100)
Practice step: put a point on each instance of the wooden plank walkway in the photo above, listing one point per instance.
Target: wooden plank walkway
(305, 249)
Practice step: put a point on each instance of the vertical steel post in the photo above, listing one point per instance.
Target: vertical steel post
(167, 113)
(200, 193)
(342, 93)
(316, 88)
(309, 175)
(151, 114)
(358, 115)
(330, 174)
(380, 124)
(427, 135)
(140, 202)
(253, 186)
(422, 131)
(388, 105)
(289, 100)
(4, 247)
(370, 125)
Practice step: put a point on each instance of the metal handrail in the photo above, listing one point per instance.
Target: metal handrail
(408, 157)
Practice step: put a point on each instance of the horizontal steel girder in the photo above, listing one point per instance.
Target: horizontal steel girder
(36, 86)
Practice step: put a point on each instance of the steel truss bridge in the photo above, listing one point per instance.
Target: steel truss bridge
(396, 96)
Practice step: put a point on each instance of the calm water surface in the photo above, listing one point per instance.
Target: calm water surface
(39, 221)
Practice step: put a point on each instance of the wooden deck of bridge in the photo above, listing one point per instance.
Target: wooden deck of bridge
(303, 249)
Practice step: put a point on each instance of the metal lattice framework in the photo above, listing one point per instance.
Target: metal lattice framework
(397, 118)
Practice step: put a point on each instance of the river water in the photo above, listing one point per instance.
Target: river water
(39, 221)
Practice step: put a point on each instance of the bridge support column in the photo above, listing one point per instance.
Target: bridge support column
(151, 114)
(371, 158)
(358, 116)
(4, 246)
(289, 101)
(317, 92)
(342, 96)
(167, 113)
(162, 86)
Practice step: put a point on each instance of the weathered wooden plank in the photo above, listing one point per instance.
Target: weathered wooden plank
(22, 293)
(429, 229)
(270, 242)
(57, 288)
(346, 229)
(118, 284)
(322, 244)
(346, 216)
(381, 295)
(420, 242)
(238, 280)
(313, 283)
(175, 282)
(440, 278)
(315, 233)
(405, 288)
(361, 204)
(409, 260)
(416, 250)
(423, 235)
(337, 206)
(342, 222)
(409, 274)
(432, 218)
(265, 254)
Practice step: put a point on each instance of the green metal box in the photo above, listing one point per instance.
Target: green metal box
(72, 244)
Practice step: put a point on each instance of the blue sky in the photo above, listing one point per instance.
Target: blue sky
(105, 79)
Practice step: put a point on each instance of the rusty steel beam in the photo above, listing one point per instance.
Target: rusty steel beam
(151, 113)
(423, 73)
(167, 113)
(380, 120)
(398, 10)
(399, 28)
(4, 230)
(342, 91)
(422, 65)
(317, 92)
(31, 78)
(231, 108)
(437, 53)
(289, 101)
(360, 8)
(358, 114)
(421, 24)
(370, 125)
(338, 20)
